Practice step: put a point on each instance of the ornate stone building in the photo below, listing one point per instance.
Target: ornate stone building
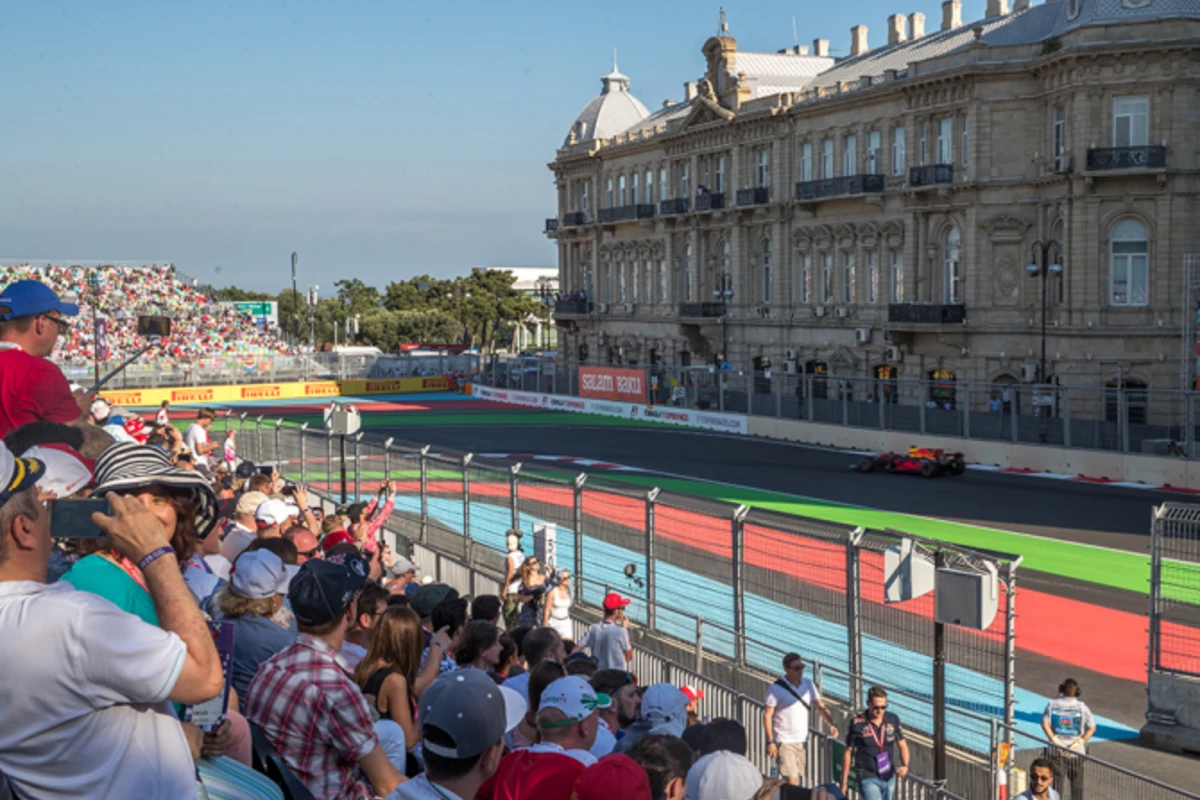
(877, 214)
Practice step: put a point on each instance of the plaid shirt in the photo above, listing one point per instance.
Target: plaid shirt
(375, 522)
(317, 718)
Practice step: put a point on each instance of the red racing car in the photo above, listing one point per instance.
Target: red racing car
(924, 460)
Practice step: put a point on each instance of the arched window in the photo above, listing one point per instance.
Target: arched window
(766, 271)
(1130, 270)
(1072, 13)
(953, 272)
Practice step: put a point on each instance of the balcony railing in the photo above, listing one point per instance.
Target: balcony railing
(927, 313)
(551, 225)
(677, 206)
(757, 196)
(577, 218)
(931, 174)
(565, 307)
(708, 310)
(627, 213)
(1151, 156)
(713, 201)
(837, 187)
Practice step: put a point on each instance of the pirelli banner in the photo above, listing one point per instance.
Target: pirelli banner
(613, 383)
(206, 395)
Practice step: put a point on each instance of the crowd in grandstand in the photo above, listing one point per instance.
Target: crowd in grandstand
(207, 630)
(203, 333)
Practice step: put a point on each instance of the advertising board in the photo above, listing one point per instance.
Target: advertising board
(613, 383)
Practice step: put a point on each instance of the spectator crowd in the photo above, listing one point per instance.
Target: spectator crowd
(181, 623)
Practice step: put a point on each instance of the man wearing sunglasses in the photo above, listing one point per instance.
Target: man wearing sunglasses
(32, 317)
(875, 741)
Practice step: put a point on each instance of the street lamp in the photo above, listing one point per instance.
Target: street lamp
(295, 301)
(724, 293)
(93, 282)
(1044, 266)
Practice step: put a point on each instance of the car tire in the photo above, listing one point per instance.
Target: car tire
(929, 469)
(957, 467)
(866, 464)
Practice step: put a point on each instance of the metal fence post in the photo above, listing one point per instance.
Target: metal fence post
(921, 411)
(1152, 663)
(242, 435)
(699, 645)
(329, 461)
(514, 494)
(843, 387)
(1065, 399)
(939, 685)
(966, 412)
(387, 459)
(278, 451)
(577, 521)
(258, 436)
(738, 560)
(466, 490)
(853, 615)
(1010, 652)
(357, 466)
(881, 400)
(651, 616)
(779, 397)
(808, 396)
(1015, 394)
(304, 455)
(720, 390)
(424, 468)
(1123, 418)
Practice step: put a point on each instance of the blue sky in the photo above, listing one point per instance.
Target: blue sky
(379, 140)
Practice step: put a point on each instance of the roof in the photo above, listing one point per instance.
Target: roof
(527, 277)
(775, 73)
(613, 111)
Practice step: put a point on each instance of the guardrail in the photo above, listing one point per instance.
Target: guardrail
(246, 369)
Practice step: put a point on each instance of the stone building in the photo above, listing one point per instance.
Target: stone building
(877, 214)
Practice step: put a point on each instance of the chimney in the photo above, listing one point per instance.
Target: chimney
(1020, 5)
(858, 40)
(916, 25)
(897, 28)
(821, 47)
(997, 8)
(951, 15)
(690, 91)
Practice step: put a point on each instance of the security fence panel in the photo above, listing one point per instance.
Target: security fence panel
(489, 488)
(548, 506)
(1175, 597)
(615, 544)
(442, 507)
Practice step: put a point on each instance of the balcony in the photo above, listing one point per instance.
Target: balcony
(839, 187)
(564, 308)
(1103, 159)
(758, 196)
(927, 314)
(930, 175)
(627, 213)
(551, 225)
(705, 310)
(576, 218)
(677, 206)
(713, 201)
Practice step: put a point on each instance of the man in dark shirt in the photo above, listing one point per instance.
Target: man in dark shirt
(32, 388)
(875, 741)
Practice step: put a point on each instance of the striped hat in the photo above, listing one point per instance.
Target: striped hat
(127, 466)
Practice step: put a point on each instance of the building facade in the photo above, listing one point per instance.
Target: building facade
(882, 214)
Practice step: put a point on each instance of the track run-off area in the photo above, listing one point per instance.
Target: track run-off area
(1082, 587)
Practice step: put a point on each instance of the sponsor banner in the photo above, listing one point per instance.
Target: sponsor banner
(613, 383)
(437, 383)
(216, 395)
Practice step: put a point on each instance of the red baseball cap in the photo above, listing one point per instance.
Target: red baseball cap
(692, 693)
(334, 538)
(613, 601)
(136, 428)
(614, 775)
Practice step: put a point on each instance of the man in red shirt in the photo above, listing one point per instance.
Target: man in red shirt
(32, 388)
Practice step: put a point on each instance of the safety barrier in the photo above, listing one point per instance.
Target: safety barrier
(208, 395)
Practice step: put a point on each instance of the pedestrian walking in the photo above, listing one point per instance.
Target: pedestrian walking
(787, 716)
(876, 746)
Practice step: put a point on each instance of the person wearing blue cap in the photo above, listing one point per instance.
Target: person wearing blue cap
(32, 317)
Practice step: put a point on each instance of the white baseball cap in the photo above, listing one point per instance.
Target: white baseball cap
(574, 697)
(723, 776)
(272, 513)
(260, 574)
(101, 408)
(66, 471)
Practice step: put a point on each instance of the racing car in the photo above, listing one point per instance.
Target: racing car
(927, 461)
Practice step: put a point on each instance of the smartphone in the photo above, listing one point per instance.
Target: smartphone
(72, 519)
(154, 326)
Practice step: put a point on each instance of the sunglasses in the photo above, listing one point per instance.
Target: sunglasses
(879, 708)
(311, 553)
(63, 325)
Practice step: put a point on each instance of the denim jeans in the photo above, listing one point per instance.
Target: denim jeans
(877, 789)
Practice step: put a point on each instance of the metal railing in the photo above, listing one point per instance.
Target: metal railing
(627, 213)
(678, 205)
(930, 174)
(710, 201)
(837, 187)
(1152, 156)
(927, 312)
(755, 196)
(233, 370)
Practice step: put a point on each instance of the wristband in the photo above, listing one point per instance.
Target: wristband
(154, 556)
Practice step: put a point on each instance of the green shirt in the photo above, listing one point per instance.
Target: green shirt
(98, 575)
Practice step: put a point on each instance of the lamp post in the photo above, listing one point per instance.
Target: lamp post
(295, 301)
(724, 292)
(1043, 266)
(93, 282)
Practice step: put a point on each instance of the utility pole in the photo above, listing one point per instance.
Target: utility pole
(295, 301)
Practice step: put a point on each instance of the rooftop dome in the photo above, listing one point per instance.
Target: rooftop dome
(613, 111)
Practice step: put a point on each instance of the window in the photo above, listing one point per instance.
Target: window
(1057, 131)
(608, 193)
(806, 294)
(683, 180)
(963, 148)
(849, 282)
(1130, 121)
(661, 279)
(650, 186)
(633, 283)
(897, 276)
(622, 198)
(873, 153)
(850, 156)
(872, 278)
(622, 282)
(720, 174)
(662, 183)
(647, 282)
(1130, 251)
(827, 158)
(945, 131)
(766, 271)
(606, 280)
(921, 144)
(637, 195)
(762, 167)
(898, 150)
(826, 277)
(585, 201)
(953, 264)
(687, 273)
(806, 172)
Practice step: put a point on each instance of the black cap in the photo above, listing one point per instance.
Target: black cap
(321, 592)
(354, 511)
(246, 470)
(428, 598)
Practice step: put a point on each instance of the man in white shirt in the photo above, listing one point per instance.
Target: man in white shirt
(609, 640)
(242, 529)
(786, 718)
(88, 716)
(196, 436)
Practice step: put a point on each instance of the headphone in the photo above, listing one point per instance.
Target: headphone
(1062, 687)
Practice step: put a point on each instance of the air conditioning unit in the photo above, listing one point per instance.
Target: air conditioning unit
(602, 308)
(894, 354)
(789, 366)
(842, 312)
(1062, 164)
(862, 335)
(1028, 373)
(818, 311)
(791, 355)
